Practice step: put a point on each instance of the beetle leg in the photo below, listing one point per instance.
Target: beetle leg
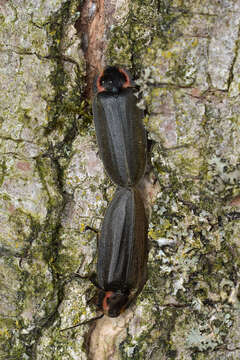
(92, 278)
(94, 230)
(91, 228)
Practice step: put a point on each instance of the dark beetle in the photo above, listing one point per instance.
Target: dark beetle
(120, 132)
(122, 252)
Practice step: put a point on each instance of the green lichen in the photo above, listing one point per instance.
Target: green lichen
(40, 289)
(137, 347)
(67, 104)
(3, 171)
(145, 21)
(50, 176)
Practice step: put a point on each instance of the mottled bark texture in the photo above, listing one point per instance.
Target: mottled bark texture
(186, 57)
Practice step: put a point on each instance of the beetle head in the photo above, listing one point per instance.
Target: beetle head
(112, 80)
(113, 302)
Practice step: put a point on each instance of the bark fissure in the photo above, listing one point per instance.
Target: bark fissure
(91, 27)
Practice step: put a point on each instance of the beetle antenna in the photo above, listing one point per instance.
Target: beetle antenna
(83, 323)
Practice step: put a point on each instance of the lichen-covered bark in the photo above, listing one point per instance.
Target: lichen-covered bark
(186, 57)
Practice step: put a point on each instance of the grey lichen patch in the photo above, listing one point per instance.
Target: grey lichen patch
(7, 146)
(162, 123)
(84, 164)
(213, 8)
(176, 117)
(38, 281)
(16, 227)
(190, 114)
(21, 87)
(202, 259)
(207, 334)
(23, 186)
(10, 287)
(19, 33)
(181, 64)
(222, 49)
(222, 354)
(221, 126)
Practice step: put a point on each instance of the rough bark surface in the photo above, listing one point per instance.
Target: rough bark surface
(186, 57)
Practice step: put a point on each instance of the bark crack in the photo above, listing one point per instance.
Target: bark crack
(91, 27)
(231, 74)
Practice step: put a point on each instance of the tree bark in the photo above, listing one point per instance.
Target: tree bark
(185, 58)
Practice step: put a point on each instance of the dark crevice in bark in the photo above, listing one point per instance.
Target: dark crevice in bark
(51, 229)
(48, 234)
